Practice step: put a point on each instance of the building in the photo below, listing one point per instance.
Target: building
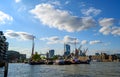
(3, 49)
(23, 56)
(67, 50)
(97, 54)
(13, 56)
(47, 55)
(51, 53)
(118, 55)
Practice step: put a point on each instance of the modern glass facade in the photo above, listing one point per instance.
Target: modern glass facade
(51, 53)
(67, 49)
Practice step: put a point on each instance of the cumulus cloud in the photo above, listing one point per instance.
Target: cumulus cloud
(19, 35)
(91, 11)
(55, 3)
(56, 39)
(107, 21)
(4, 18)
(84, 42)
(105, 30)
(11, 34)
(108, 26)
(71, 40)
(95, 42)
(61, 19)
(51, 40)
(116, 31)
(68, 40)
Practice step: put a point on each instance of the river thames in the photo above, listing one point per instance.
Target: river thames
(95, 69)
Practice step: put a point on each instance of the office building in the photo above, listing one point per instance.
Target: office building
(51, 53)
(67, 50)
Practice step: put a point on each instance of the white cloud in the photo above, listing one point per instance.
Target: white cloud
(105, 30)
(116, 31)
(108, 26)
(51, 40)
(61, 19)
(17, 1)
(91, 11)
(107, 21)
(55, 40)
(4, 18)
(55, 3)
(25, 36)
(95, 42)
(67, 2)
(19, 35)
(71, 40)
(84, 42)
(68, 40)
(11, 34)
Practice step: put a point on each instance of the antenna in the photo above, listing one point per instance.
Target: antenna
(75, 43)
(64, 49)
(33, 45)
(80, 47)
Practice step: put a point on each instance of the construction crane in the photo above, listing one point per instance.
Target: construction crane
(79, 49)
(84, 52)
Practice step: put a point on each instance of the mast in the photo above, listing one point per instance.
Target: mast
(64, 48)
(33, 46)
(75, 43)
(76, 50)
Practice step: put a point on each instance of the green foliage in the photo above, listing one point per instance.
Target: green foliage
(55, 57)
(36, 57)
(43, 57)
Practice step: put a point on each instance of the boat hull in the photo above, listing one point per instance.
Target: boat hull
(81, 62)
(36, 63)
(49, 63)
(63, 63)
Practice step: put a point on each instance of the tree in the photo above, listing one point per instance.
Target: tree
(36, 57)
(55, 57)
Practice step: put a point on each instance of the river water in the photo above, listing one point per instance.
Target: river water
(95, 69)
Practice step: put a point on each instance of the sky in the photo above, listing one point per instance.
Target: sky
(94, 24)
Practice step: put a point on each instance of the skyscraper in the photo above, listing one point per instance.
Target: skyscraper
(67, 50)
(51, 53)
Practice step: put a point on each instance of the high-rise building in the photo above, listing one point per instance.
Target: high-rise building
(3, 47)
(97, 54)
(47, 55)
(51, 53)
(23, 56)
(67, 50)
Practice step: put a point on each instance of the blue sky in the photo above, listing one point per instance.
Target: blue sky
(94, 23)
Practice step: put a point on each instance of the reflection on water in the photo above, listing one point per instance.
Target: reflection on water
(97, 69)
